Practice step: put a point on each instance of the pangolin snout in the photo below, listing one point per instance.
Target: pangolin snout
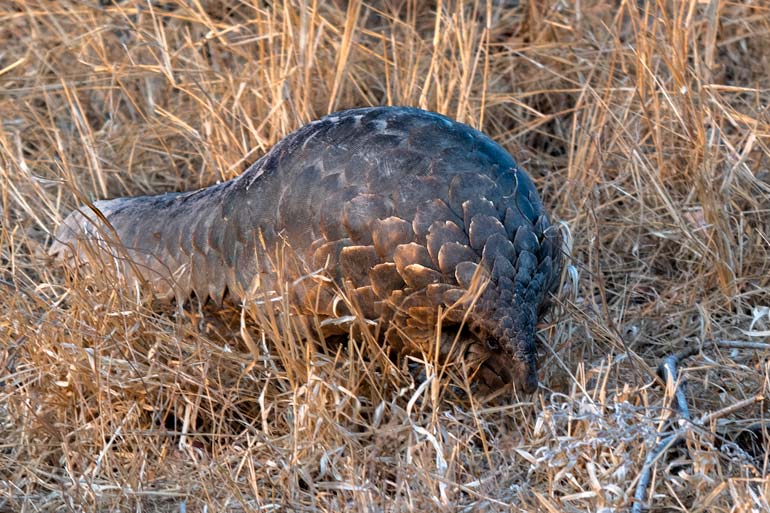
(501, 368)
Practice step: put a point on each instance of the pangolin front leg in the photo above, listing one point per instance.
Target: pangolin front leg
(408, 212)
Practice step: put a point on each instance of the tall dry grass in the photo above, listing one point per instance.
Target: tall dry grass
(646, 126)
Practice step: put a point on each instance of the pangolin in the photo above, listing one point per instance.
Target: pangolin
(400, 215)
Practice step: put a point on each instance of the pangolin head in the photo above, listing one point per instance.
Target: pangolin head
(502, 302)
(502, 348)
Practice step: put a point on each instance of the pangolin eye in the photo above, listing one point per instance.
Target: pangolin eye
(492, 344)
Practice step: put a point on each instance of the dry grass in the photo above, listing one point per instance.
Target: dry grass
(647, 128)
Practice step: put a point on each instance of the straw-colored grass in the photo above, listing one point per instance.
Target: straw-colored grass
(647, 129)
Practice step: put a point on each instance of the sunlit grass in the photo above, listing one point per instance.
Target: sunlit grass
(645, 127)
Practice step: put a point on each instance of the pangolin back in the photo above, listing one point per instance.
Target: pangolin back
(404, 210)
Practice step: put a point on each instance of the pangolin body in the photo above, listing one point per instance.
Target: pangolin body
(403, 210)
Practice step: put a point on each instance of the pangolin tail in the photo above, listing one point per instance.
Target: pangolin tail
(167, 240)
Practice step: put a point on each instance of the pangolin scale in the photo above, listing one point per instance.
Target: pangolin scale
(402, 209)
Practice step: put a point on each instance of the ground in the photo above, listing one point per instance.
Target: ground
(644, 124)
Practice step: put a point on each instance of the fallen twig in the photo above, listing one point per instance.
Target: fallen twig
(668, 373)
(743, 344)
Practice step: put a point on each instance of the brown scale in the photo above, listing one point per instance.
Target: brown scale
(406, 212)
